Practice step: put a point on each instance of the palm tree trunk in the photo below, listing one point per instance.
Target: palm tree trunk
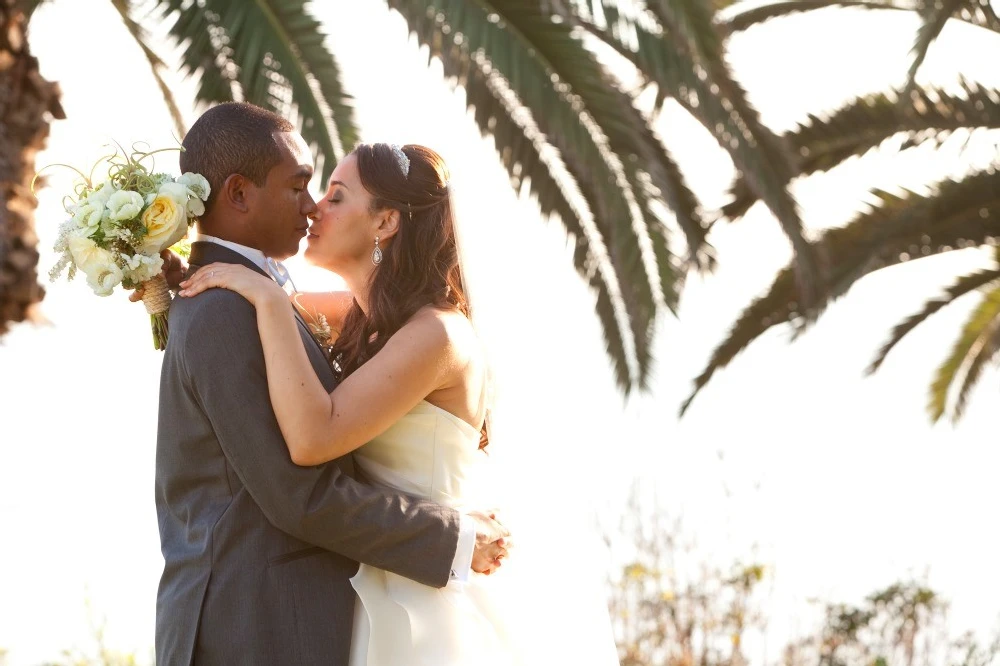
(28, 103)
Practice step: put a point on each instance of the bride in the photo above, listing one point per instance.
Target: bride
(411, 405)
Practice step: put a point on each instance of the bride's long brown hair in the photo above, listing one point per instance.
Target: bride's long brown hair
(419, 266)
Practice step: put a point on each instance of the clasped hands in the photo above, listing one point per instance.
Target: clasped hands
(492, 542)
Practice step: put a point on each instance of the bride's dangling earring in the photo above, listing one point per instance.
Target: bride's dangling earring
(377, 254)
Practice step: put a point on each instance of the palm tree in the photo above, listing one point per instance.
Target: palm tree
(565, 128)
(954, 215)
(26, 103)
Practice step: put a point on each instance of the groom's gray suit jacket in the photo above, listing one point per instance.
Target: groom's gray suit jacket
(257, 551)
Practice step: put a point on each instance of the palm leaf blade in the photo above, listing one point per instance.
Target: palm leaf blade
(516, 49)
(864, 123)
(975, 345)
(275, 43)
(684, 57)
(935, 15)
(963, 286)
(156, 64)
(958, 214)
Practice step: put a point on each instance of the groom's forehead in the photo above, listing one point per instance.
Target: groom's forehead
(297, 146)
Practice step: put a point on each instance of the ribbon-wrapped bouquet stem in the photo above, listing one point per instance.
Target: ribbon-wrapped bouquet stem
(119, 226)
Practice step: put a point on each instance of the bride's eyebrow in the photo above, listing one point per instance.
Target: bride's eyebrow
(337, 182)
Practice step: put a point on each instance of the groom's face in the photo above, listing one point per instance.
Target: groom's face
(283, 206)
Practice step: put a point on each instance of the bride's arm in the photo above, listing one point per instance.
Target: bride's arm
(320, 426)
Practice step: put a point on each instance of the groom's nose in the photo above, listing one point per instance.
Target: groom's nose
(309, 207)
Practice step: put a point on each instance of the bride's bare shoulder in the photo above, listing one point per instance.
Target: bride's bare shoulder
(452, 329)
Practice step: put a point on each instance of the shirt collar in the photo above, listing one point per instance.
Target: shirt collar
(253, 254)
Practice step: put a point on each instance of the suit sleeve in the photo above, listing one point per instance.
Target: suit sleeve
(224, 361)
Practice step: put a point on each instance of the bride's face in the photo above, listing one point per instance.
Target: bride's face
(342, 235)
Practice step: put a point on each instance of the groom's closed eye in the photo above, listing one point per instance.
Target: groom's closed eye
(300, 181)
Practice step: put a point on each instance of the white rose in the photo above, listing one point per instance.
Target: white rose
(101, 193)
(198, 185)
(124, 205)
(179, 193)
(141, 268)
(104, 283)
(88, 217)
(103, 273)
(196, 207)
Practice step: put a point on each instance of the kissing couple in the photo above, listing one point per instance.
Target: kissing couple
(317, 497)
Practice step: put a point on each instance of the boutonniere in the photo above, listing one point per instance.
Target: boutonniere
(319, 327)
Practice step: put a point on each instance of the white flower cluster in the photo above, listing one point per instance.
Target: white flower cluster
(116, 234)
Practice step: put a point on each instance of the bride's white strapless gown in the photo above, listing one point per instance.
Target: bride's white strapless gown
(433, 454)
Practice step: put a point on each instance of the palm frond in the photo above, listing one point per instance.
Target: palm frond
(523, 157)
(974, 369)
(552, 84)
(690, 22)
(669, 182)
(638, 157)
(956, 215)
(864, 123)
(276, 54)
(977, 344)
(205, 51)
(963, 286)
(680, 50)
(642, 167)
(740, 21)
(935, 15)
(141, 36)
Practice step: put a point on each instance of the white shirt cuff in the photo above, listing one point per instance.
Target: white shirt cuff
(461, 566)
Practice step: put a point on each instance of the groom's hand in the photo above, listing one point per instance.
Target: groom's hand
(492, 542)
(173, 272)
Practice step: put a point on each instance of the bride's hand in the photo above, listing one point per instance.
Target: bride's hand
(249, 284)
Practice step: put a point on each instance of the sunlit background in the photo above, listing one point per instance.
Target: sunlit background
(790, 457)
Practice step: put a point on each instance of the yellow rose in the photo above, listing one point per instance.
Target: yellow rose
(166, 223)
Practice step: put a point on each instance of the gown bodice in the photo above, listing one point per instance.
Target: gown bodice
(429, 453)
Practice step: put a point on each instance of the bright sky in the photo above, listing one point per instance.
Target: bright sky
(836, 481)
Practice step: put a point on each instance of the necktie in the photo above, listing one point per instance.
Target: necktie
(280, 274)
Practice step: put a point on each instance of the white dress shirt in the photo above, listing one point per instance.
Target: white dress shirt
(461, 566)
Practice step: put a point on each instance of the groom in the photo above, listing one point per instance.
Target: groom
(258, 552)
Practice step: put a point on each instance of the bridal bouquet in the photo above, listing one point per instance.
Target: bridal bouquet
(119, 226)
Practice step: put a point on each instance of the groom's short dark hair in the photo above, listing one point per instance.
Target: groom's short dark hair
(234, 137)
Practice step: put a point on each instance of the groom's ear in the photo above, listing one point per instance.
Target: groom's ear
(236, 192)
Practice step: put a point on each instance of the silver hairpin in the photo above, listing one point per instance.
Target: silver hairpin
(402, 159)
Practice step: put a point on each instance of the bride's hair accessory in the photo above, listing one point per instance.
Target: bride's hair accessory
(401, 159)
